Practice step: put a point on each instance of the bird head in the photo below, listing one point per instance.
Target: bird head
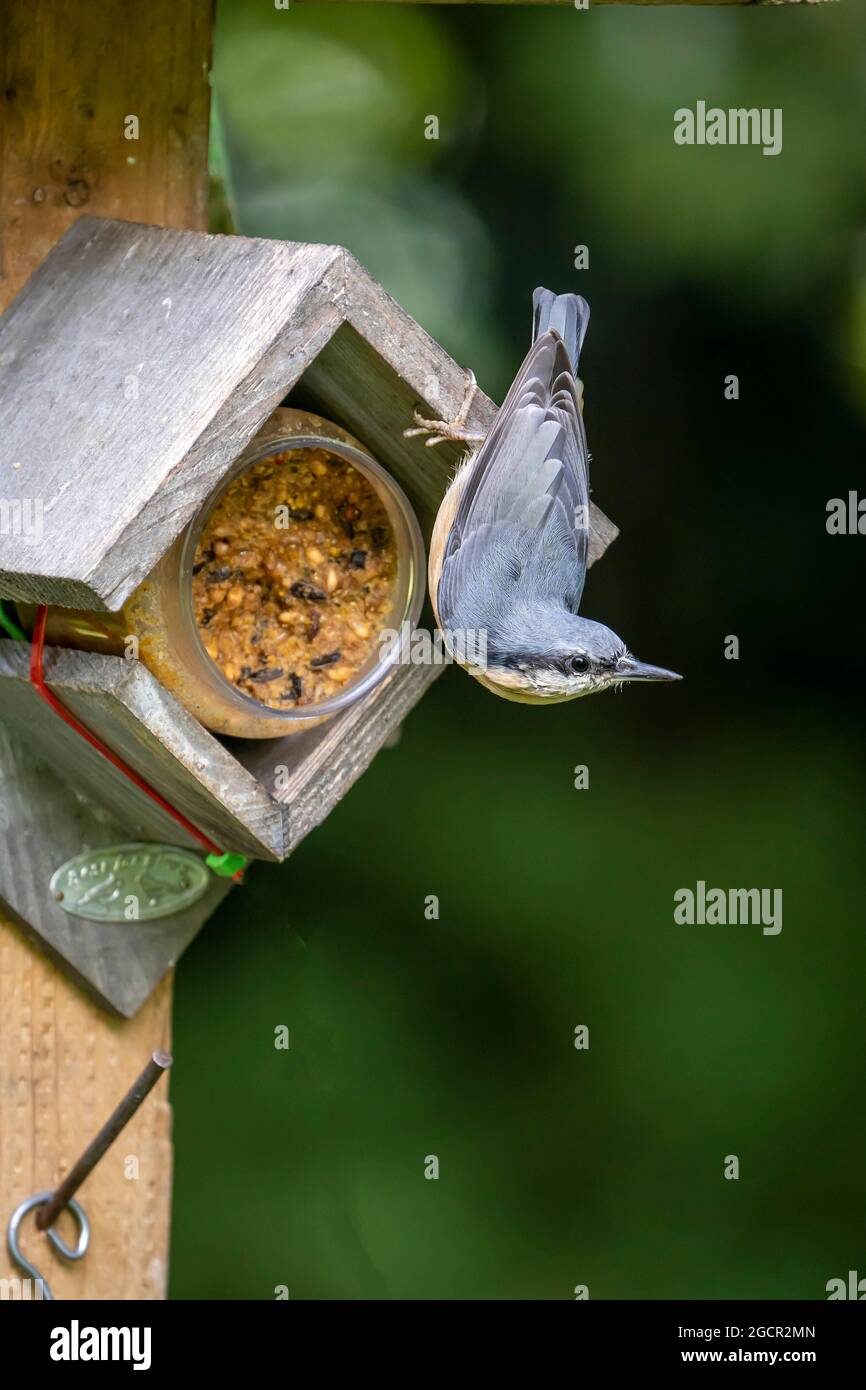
(567, 657)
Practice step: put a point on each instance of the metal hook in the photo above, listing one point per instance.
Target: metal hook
(57, 1240)
(49, 1205)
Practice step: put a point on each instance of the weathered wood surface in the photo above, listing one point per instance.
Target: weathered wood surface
(232, 790)
(61, 1062)
(321, 765)
(71, 73)
(64, 1064)
(43, 822)
(139, 362)
(142, 722)
(374, 371)
(133, 370)
(363, 361)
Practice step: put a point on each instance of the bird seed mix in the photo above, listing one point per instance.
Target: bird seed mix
(294, 577)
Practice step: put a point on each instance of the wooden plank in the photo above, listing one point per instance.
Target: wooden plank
(318, 768)
(369, 377)
(352, 380)
(64, 1065)
(70, 76)
(143, 723)
(211, 332)
(44, 822)
(134, 368)
(372, 374)
(69, 83)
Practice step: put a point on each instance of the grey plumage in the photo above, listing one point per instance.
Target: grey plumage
(516, 556)
(515, 559)
(565, 314)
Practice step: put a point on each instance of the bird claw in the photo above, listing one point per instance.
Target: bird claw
(441, 431)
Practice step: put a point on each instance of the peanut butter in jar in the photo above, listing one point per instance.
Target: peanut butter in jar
(265, 616)
(293, 577)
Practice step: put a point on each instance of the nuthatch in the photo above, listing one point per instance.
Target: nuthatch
(508, 554)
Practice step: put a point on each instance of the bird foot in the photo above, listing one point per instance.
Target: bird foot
(442, 430)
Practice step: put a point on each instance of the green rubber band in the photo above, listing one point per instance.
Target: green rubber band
(226, 865)
(10, 625)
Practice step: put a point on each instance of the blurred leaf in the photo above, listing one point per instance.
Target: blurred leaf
(342, 91)
(419, 237)
(222, 216)
(612, 82)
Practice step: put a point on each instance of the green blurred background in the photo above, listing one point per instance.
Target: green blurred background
(455, 1037)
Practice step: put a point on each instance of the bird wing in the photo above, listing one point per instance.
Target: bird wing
(529, 478)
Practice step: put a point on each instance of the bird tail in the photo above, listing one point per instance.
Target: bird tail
(566, 314)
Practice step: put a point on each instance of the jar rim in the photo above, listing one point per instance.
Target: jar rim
(408, 596)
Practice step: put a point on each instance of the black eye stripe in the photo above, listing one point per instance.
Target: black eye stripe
(536, 661)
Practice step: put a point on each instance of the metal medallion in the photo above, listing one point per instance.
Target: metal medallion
(129, 883)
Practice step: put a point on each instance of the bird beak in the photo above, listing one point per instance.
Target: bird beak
(628, 669)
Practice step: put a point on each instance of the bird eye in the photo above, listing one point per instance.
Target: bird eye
(579, 664)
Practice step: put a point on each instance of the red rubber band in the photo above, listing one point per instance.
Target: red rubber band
(37, 679)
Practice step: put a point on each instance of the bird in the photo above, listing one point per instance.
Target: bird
(509, 548)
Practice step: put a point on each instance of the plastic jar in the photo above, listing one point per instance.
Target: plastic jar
(160, 613)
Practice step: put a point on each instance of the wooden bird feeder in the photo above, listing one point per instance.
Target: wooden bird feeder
(214, 332)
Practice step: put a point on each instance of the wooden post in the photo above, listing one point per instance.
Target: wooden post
(74, 77)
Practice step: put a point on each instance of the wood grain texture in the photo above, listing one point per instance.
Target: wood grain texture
(139, 362)
(350, 349)
(142, 722)
(368, 374)
(43, 823)
(70, 75)
(64, 1064)
(228, 788)
(320, 766)
(383, 364)
(133, 369)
